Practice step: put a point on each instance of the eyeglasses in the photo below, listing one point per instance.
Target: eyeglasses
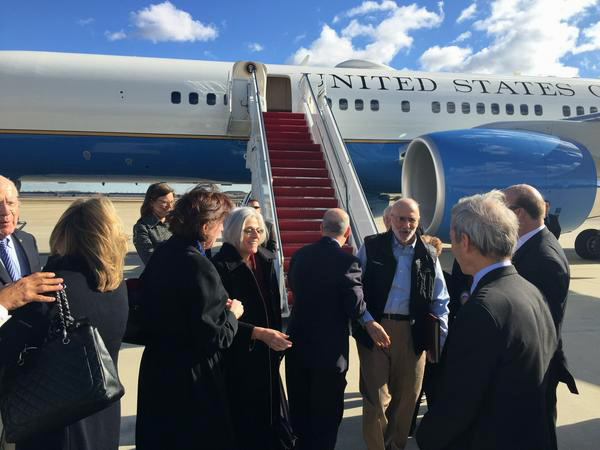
(249, 231)
(254, 206)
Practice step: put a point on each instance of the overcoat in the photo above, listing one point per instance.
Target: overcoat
(252, 369)
(182, 398)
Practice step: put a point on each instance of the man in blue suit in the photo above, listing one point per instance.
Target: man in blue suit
(327, 287)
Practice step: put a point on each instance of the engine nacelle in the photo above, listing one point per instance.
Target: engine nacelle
(440, 168)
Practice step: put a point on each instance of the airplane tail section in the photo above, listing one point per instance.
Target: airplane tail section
(296, 180)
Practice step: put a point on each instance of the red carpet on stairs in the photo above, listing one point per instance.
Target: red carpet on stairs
(303, 189)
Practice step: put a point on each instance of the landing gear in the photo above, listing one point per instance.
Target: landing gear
(587, 244)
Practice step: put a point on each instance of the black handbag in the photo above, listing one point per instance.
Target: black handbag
(134, 332)
(69, 377)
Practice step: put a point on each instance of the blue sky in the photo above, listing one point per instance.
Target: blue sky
(534, 37)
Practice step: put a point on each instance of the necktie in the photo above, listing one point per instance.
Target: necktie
(8, 261)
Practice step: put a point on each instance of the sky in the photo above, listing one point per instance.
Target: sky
(528, 37)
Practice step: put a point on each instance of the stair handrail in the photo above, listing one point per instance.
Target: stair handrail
(351, 194)
(266, 197)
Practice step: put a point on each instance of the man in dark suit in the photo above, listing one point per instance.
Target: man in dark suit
(498, 352)
(326, 282)
(540, 259)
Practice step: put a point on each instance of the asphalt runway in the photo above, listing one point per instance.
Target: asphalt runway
(578, 415)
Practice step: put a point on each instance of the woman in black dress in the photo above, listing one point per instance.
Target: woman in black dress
(182, 400)
(87, 249)
(152, 229)
(252, 361)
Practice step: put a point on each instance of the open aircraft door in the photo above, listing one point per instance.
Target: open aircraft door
(239, 117)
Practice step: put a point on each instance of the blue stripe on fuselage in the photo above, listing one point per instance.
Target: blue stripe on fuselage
(172, 157)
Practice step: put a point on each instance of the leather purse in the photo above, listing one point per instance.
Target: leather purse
(69, 377)
(134, 332)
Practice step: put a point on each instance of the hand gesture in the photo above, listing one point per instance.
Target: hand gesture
(30, 289)
(276, 340)
(236, 307)
(378, 334)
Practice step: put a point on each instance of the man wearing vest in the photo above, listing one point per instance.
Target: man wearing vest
(403, 282)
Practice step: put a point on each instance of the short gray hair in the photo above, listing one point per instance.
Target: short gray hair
(335, 222)
(8, 181)
(491, 227)
(234, 225)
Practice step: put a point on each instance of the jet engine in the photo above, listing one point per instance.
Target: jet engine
(440, 168)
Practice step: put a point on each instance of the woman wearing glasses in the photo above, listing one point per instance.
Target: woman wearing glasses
(252, 361)
(151, 229)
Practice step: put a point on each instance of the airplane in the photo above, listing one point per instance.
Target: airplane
(433, 136)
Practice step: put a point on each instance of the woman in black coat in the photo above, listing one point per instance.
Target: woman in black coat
(182, 400)
(252, 361)
(87, 248)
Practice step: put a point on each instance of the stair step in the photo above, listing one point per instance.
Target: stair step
(295, 154)
(306, 202)
(296, 181)
(299, 225)
(302, 191)
(292, 123)
(307, 237)
(298, 163)
(300, 213)
(286, 263)
(290, 249)
(275, 145)
(287, 127)
(298, 172)
(286, 115)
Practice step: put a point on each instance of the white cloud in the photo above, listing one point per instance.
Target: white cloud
(164, 22)
(86, 21)
(115, 35)
(526, 36)
(299, 37)
(444, 58)
(462, 37)
(385, 39)
(592, 35)
(255, 47)
(467, 13)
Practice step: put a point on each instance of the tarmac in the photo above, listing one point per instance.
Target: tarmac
(578, 415)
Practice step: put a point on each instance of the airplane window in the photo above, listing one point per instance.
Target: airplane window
(175, 97)
(538, 110)
(435, 107)
(510, 109)
(566, 110)
(480, 108)
(193, 97)
(359, 104)
(374, 105)
(225, 99)
(466, 107)
(211, 99)
(451, 107)
(343, 104)
(329, 102)
(495, 108)
(593, 109)
(405, 106)
(580, 111)
(524, 110)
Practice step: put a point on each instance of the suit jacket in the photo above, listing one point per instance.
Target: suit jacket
(327, 288)
(542, 261)
(497, 355)
(14, 332)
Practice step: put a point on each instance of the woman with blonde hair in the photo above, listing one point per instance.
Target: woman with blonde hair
(87, 249)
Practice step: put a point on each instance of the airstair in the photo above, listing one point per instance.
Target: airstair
(300, 168)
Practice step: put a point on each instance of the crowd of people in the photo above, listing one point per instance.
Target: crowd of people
(210, 371)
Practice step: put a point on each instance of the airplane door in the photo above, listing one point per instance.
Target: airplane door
(279, 94)
(239, 117)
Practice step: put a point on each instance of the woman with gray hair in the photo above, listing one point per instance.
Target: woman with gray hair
(252, 362)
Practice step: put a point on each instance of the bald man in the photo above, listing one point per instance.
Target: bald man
(403, 283)
(327, 288)
(540, 259)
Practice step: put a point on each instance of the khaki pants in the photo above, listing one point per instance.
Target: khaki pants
(390, 381)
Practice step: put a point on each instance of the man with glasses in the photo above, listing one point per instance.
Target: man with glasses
(403, 284)
(540, 259)
(269, 243)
